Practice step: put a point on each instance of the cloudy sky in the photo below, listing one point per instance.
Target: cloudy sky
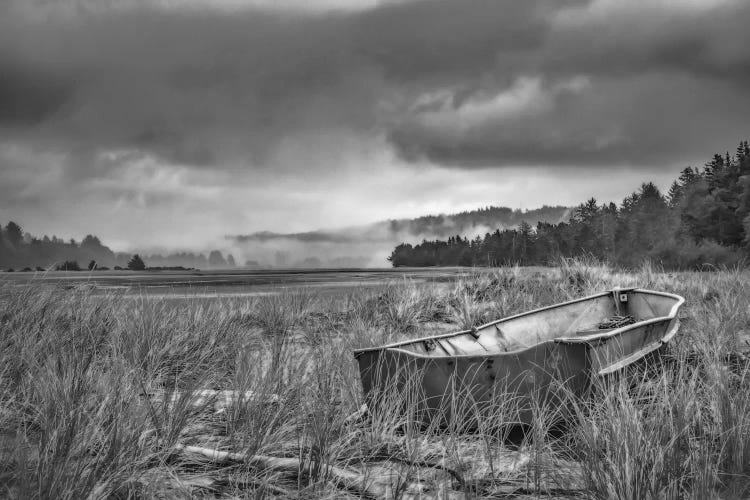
(172, 123)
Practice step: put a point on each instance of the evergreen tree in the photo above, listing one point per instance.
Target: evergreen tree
(743, 159)
(91, 242)
(69, 265)
(674, 195)
(136, 263)
(216, 259)
(587, 212)
(526, 243)
(688, 176)
(14, 234)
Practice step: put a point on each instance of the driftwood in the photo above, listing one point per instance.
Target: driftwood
(426, 464)
(358, 482)
(350, 480)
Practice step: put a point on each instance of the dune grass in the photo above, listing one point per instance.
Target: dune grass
(107, 397)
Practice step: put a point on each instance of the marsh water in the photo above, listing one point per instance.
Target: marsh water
(236, 283)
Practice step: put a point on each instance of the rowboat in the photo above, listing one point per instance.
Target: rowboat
(534, 358)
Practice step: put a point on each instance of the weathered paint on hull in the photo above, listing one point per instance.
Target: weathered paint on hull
(466, 389)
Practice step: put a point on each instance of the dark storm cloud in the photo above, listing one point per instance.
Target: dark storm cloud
(447, 41)
(653, 119)
(701, 38)
(28, 95)
(663, 85)
(200, 87)
(487, 82)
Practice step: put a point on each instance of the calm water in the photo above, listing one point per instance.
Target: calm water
(239, 283)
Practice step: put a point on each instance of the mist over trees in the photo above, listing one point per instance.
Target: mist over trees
(367, 245)
(704, 219)
(20, 250)
(487, 217)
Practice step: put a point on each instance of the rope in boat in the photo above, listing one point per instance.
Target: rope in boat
(616, 322)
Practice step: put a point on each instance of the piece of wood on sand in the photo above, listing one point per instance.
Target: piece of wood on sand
(349, 480)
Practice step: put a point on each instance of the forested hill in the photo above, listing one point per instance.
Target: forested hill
(439, 226)
(703, 220)
(370, 244)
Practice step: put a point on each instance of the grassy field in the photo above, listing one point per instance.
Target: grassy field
(123, 393)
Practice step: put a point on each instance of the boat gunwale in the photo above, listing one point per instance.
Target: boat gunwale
(605, 335)
(395, 347)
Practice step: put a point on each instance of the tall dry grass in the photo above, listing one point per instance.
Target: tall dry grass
(100, 392)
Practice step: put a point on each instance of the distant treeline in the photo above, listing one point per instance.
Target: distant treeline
(703, 220)
(20, 250)
(486, 217)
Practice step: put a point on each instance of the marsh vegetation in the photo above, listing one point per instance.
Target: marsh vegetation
(106, 395)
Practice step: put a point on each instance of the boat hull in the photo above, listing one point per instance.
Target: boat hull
(467, 390)
(475, 388)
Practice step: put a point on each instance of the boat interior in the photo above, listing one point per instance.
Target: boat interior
(586, 317)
